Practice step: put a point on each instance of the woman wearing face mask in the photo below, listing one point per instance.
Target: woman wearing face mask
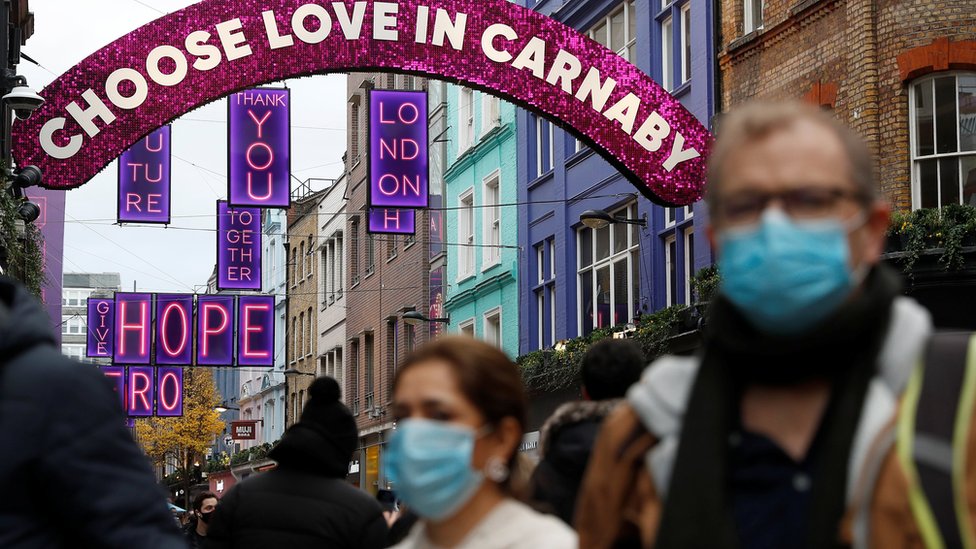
(461, 411)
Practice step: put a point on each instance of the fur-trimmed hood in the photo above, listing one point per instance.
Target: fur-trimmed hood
(573, 413)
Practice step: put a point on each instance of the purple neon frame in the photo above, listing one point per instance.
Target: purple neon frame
(128, 357)
(267, 338)
(469, 67)
(233, 146)
(97, 332)
(224, 225)
(161, 373)
(185, 357)
(376, 164)
(134, 409)
(226, 357)
(374, 225)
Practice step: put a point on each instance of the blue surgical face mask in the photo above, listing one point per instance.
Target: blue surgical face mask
(429, 463)
(787, 276)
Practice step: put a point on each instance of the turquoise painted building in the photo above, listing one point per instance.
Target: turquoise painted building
(481, 219)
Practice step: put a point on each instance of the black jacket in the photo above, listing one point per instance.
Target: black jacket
(70, 473)
(300, 504)
(566, 441)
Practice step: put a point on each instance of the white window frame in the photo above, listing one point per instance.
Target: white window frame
(685, 20)
(668, 262)
(750, 21)
(667, 53)
(540, 306)
(916, 159)
(487, 318)
(629, 9)
(628, 211)
(465, 232)
(689, 263)
(467, 328)
(465, 119)
(490, 113)
(543, 168)
(491, 219)
(670, 217)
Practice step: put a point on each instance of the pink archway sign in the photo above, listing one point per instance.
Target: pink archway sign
(211, 49)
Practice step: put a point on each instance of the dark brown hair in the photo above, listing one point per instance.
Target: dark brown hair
(485, 376)
(198, 501)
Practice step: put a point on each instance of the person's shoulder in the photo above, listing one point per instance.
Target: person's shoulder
(534, 529)
(43, 370)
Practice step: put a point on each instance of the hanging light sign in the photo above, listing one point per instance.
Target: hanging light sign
(238, 247)
(145, 181)
(398, 160)
(101, 328)
(255, 331)
(392, 221)
(169, 392)
(174, 329)
(215, 330)
(144, 391)
(259, 148)
(133, 334)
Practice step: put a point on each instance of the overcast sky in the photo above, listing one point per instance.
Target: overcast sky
(182, 256)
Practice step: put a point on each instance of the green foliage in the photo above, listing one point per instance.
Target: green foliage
(550, 370)
(23, 243)
(216, 464)
(947, 229)
(251, 454)
(705, 283)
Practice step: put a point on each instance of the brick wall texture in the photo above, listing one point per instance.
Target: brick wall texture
(846, 51)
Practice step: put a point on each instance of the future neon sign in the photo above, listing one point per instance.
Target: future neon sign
(145, 180)
(259, 148)
(145, 391)
(216, 48)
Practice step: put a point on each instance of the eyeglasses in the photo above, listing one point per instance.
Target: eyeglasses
(804, 203)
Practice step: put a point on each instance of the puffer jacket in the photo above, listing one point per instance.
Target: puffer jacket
(626, 483)
(70, 473)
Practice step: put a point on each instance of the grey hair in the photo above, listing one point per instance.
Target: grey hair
(757, 120)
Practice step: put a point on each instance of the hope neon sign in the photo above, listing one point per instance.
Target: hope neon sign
(215, 48)
(255, 331)
(260, 148)
(174, 329)
(215, 330)
(144, 391)
(133, 329)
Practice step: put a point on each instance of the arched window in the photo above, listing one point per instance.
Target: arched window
(943, 139)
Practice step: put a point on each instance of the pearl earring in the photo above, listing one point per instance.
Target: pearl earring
(496, 470)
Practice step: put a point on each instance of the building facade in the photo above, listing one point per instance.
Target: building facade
(481, 218)
(331, 310)
(302, 318)
(387, 276)
(577, 279)
(901, 72)
(75, 290)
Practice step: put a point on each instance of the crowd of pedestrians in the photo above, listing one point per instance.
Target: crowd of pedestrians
(823, 409)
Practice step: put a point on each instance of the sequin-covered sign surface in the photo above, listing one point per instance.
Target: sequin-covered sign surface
(214, 48)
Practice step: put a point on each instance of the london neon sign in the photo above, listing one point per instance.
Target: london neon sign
(215, 48)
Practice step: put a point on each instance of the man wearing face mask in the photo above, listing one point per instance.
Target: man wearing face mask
(800, 423)
(203, 509)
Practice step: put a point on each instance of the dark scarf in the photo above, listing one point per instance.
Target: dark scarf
(842, 350)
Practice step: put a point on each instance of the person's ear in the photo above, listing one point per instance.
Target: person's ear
(873, 232)
(509, 436)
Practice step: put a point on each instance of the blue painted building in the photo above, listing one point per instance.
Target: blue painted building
(482, 297)
(578, 278)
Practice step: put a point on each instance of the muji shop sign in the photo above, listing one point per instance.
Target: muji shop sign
(216, 48)
(259, 148)
(212, 330)
(398, 159)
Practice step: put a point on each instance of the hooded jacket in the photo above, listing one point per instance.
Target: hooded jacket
(70, 473)
(566, 441)
(304, 502)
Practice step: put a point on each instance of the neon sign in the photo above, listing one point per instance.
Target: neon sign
(140, 391)
(145, 181)
(215, 330)
(116, 374)
(255, 331)
(215, 48)
(169, 392)
(174, 329)
(133, 333)
(398, 152)
(259, 126)
(101, 328)
(238, 247)
(392, 221)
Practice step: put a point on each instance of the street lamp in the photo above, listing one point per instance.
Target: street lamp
(415, 318)
(294, 372)
(600, 219)
(223, 407)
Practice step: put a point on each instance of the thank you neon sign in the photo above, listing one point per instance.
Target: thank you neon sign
(259, 148)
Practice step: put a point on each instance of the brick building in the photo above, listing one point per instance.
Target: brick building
(901, 72)
(387, 276)
(302, 306)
